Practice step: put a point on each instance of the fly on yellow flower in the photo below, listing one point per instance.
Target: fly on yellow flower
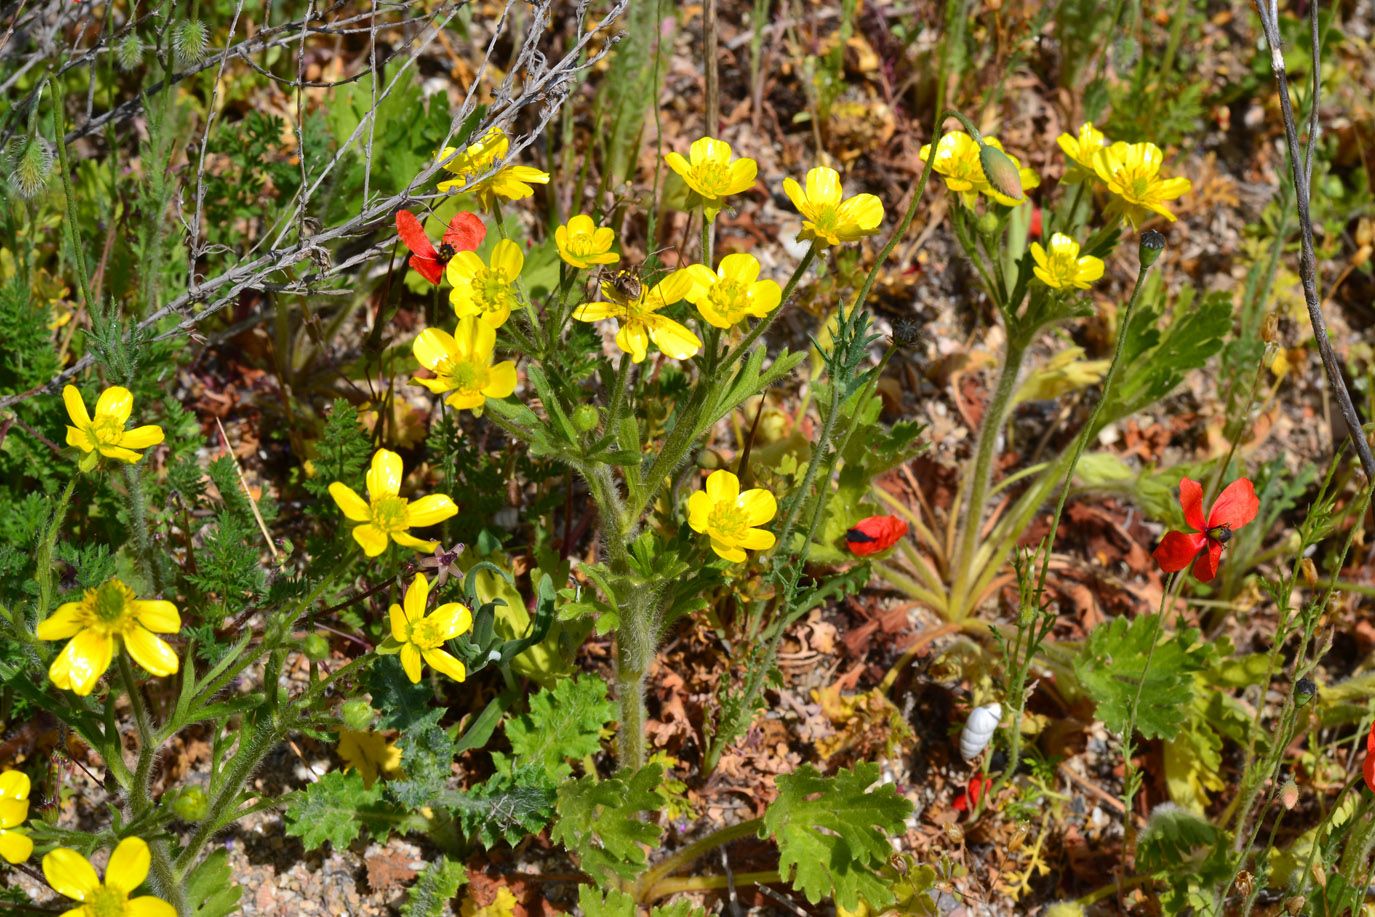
(639, 321)
(711, 174)
(14, 808)
(957, 162)
(1132, 173)
(370, 754)
(462, 364)
(830, 220)
(72, 875)
(105, 617)
(728, 516)
(105, 434)
(1061, 268)
(485, 290)
(1081, 150)
(420, 637)
(582, 244)
(386, 514)
(511, 182)
(733, 291)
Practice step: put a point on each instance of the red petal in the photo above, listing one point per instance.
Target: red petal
(874, 534)
(1036, 222)
(1368, 769)
(1235, 506)
(429, 268)
(466, 232)
(1178, 549)
(1205, 568)
(1370, 742)
(1191, 498)
(413, 234)
(961, 803)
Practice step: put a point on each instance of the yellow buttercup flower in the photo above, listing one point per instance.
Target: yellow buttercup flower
(386, 514)
(1081, 150)
(370, 754)
(1132, 173)
(728, 516)
(485, 290)
(14, 808)
(733, 291)
(639, 320)
(72, 875)
(830, 220)
(422, 637)
(957, 162)
(710, 172)
(582, 244)
(511, 182)
(462, 364)
(105, 434)
(105, 617)
(1062, 268)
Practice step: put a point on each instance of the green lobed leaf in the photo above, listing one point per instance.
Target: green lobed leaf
(508, 806)
(565, 722)
(832, 834)
(404, 705)
(436, 886)
(1171, 835)
(426, 755)
(1112, 665)
(599, 821)
(209, 891)
(329, 809)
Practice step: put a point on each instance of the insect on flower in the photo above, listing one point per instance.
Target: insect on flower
(874, 534)
(1234, 507)
(464, 233)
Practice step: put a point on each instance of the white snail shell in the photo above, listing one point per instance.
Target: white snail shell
(979, 728)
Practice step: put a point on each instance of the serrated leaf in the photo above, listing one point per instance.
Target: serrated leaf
(426, 756)
(436, 886)
(508, 806)
(403, 705)
(598, 821)
(329, 810)
(1112, 664)
(565, 722)
(1170, 836)
(1193, 760)
(832, 834)
(209, 891)
(616, 903)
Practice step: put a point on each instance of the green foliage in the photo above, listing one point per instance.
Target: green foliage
(1171, 837)
(565, 722)
(342, 452)
(600, 821)
(329, 809)
(508, 806)
(1113, 662)
(832, 833)
(404, 706)
(426, 755)
(434, 888)
(209, 889)
(617, 903)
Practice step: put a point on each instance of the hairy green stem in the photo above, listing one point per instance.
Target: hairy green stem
(163, 876)
(138, 512)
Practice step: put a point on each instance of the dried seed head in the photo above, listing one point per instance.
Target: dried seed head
(1000, 171)
(129, 52)
(906, 332)
(1310, 571)
(1270, 328)
(189, 41)
(1304, 689)
(30, 162)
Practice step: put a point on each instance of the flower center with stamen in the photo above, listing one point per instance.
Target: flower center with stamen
(727, 522)
(492, 289)
(581, 243)
(107, 902)
(426, 633)
(106, 430)
(446, 253)
(389, 514)
(109, 603)
(708, 178)
(824, 219)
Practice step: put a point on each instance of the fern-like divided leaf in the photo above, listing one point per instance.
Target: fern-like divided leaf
(437, 885)
(330, 809)
(1112, 666)
(599, 821)
(565, 722)
(832, 834)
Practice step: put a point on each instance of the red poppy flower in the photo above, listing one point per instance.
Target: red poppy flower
(970, 797)
(1369, 768)
(465, 234)
(877, 533)
(1234, 507)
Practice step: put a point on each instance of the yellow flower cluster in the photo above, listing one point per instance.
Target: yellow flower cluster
(473, 164)
(1130, 171)
(386, 514)
(104, 434)
(1062, 268)
(730, 518)
(958, 163)
(15, 846)
(107, 618)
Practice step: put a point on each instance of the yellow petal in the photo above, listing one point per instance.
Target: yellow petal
(384, 477)
(142, 437)
(120, 453)
(410, 541)
(14, 785)
(429, 510)
(596, 311)
(82, 661)
(76, 408)
(410, 662)
(445, 664)
(15, 847)
(417, 596)
(13, 812)
(354, 507)
(742, 174)
(80, 440)
(70, 874)
(372, 539)
(506, 257)
(157, 615)
(740, 267)
(794, 192)
(115, 402)
(150, 651)
(699, 508)
(633, 340)
(677, 163)
(723, 487)
(128, 865)
(432, 347)
(757, 540)
(148, 906)
(61, 624)
(451, 619)
(400, 625)
(673, 338)
(502, 380)
(581, 223)
(823, 187)
(759, 505)
(728, 552)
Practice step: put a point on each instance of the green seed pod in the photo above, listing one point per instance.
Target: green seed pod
(357, 715)
(129, 52)
(315, 646)
(1152, 244)
(1001, 172)
(586, 418)
(191, 804)
(189, 41)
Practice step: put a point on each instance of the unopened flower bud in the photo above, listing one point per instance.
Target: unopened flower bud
(1000, 171)
(30, 162)
(1267, 357)
(1152, 244)
(987, 224)
(1270, 328)
(315, 646)
(189, 41)
(129, 52)
(357, 715)
(1310, 571)
(191, 804)
(586, 418)
(1289, 794)
(1304, 689)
